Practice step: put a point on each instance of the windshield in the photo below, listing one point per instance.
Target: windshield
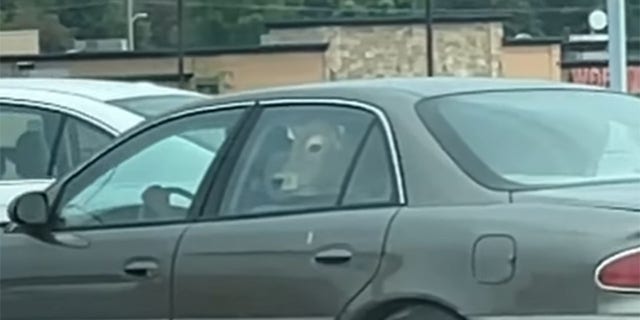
(153, 106)
(539, 137)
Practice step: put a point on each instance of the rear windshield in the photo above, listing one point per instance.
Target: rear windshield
(153, 106)
(526, 138)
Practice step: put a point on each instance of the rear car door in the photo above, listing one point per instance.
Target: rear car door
(109, 251)
(26, 149)
(39, 143)
(297, 226)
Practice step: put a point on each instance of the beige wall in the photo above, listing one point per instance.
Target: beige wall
(251, 71)
(238, 71)
(461, 49)
(18, 42)
(123, 67)
(532, 61)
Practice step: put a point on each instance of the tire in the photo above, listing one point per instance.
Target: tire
(421, 312)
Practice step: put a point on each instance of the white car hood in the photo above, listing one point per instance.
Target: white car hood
(11, 189)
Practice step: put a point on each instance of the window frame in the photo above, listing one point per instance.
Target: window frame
(76, 132)
(56, 192)
(217, 193)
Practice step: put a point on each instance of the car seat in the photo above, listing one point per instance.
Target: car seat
(31, 155)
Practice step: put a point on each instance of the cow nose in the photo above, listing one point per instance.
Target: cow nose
(277, 182)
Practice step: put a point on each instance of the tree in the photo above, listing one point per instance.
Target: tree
(30, 14)
(94, 19)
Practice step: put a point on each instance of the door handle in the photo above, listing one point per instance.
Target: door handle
(141, 269)
(333, 256)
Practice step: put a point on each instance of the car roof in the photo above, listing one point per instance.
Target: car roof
(104, 115)
(370, 90)
(102, 90)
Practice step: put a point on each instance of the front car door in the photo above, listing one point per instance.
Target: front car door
(299, 226)
(116, 223)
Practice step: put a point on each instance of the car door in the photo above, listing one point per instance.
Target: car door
(117, 220)
(39, 143)
(298, 228)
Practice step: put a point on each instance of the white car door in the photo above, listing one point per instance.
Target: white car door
(39, 143)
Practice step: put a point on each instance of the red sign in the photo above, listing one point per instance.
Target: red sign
(599, 76)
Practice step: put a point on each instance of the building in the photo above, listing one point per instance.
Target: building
(586, 61)
(295, 52)
(464, 45)
(532, 58)
(20, 42)
(211, 70)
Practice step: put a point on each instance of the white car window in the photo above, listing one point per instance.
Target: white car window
(26, 139)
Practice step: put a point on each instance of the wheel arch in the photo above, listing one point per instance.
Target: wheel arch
(378, 309)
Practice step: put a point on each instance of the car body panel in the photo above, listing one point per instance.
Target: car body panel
(80, 272)
(619, 195)
(439, 267)
(266, 267)
(114, 119)
(100, 90)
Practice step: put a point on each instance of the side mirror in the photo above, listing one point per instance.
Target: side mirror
(30, 209)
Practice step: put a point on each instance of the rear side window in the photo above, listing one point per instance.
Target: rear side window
(26, 142)
(306, 158)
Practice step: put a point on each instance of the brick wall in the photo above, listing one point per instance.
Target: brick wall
(460, 49)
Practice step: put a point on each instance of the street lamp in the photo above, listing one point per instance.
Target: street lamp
(131, 23)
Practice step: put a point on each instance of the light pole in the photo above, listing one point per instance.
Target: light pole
(180, 35)
(428, 15)
(131, 23)
(617, 45)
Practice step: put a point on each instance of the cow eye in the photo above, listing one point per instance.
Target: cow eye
(314, 147)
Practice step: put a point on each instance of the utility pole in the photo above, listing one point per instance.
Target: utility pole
(617, 45)
(428, 15)
(130, 26)
(180, 28)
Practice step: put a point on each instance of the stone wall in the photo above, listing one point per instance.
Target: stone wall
(365, 51)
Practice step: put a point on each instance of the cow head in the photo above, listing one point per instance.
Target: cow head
(316, 162)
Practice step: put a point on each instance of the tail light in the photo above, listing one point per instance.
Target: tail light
(620, 272)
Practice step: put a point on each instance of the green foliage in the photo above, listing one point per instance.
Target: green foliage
(221, 23)
(31, 14)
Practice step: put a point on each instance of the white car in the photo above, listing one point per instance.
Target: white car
(50, 126)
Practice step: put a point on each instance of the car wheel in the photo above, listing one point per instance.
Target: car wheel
(421, 312)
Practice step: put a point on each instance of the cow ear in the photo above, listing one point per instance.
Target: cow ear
(291, 134)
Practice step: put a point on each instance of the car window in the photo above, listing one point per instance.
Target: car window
(26, 139)
(301, 159)
(79, 142)
(150, 178)
(372, 178)
(539, 137)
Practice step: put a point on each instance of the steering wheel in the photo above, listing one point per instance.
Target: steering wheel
(156, 203)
